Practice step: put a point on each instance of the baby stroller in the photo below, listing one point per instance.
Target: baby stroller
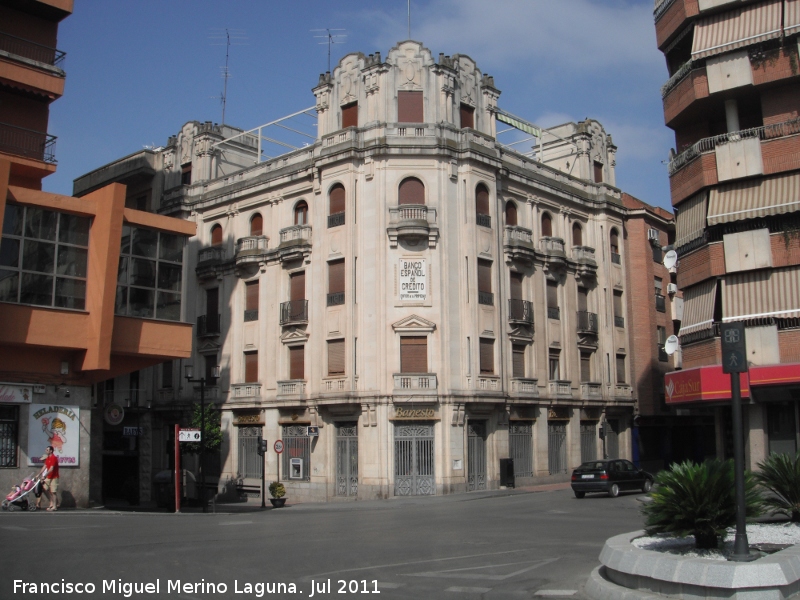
(20, 497)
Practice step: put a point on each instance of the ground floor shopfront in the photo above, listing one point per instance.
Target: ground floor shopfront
(382, 449)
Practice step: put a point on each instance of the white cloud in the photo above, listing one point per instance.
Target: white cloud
(638, 142)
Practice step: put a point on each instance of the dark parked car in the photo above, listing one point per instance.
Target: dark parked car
(609, 476)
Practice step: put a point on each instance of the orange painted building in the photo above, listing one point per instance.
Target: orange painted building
(89, 289)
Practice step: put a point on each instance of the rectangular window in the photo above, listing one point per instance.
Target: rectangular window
(414, 354)
(586, 366)
(485, 295)
(251, 301)
(552, 301)
(335, 357)
(658, 284)
(350, 115)
(250, 462)
(150, 274)
(166, 375)
(186, 174)
(9, 428)
(297, 286)
(619, 319)
(554, 371)
(467, 116)
(598, 172)
(487, 356)
(661, 333)
(409, 107)
(251, 367)
(518, 360)
(621, 368)
(658, 253)
(44, 257)
(297, 362)
(336, 283)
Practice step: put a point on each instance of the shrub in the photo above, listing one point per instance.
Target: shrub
(277, 490)
(699, 500)
(780, 474)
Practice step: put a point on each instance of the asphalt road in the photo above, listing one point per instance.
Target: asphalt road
(480, 545)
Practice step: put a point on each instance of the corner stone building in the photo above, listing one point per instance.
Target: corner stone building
(432, 301)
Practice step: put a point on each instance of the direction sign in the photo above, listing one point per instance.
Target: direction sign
(189, 435)
(278, 446)
(734, 352)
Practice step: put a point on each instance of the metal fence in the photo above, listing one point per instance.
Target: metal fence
(557, 448)
(250, 462)
(476, 456)
(588, 441)
(520, 447)
(414, 460)
(347, 459)
(297, 444)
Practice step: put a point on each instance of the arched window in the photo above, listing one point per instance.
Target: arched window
(547, 225)
(336, 206)
(301, 213)
(216, 235)
(482, 206)
(613, 239)
(256, 225)
(411, 191)
(577, 235)
(511, 213)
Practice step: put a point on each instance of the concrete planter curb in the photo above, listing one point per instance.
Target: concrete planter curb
(629, 572)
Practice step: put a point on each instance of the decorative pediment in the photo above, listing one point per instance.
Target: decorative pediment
(521, 335)
(294, 336)
(413, 324)
(208, 347)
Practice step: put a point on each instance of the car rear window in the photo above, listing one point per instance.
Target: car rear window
(593, 466)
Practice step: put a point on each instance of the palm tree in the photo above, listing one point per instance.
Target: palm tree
(780, 474)
(698, 500)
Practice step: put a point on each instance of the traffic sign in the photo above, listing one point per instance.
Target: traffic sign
(734, 351)
(189, 435)
(278, 446)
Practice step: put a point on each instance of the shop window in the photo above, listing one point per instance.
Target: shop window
(9, 432)
(409, 107)
(411, 191)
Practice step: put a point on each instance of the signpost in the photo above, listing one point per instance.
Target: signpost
(262, 452)
(177, 469)
(734, 361)
(189, 435)
(278, 449)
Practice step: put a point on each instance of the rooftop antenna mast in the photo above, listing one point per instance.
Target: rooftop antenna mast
(227, 35)
(330, 38)
(409, 19)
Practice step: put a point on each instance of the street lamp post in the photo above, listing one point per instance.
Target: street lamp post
(189, 372)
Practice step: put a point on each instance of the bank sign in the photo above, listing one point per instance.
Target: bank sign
(413, 280)
(702, 384)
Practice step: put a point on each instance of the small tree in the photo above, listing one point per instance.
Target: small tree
(780, 474)
(213, 431)
(698, 500)
(277, 490)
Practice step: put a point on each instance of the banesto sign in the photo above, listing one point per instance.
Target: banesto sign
(414, 413)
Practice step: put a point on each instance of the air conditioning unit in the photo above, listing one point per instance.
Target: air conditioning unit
(672, 288)
(652, 235)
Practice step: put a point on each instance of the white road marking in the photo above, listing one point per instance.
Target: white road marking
(14, 528)
(555, 593)
(236, 523)
(389, 586)
(468, 590)
(456, 572)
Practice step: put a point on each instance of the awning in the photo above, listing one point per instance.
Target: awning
(702, 384)
(733, 29)
(791, 17)
(755, 198)
(759, 294)
(691, 220)
(698, 307)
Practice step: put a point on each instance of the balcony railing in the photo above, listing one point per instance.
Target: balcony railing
(591, 390)
(765, 132)
(27, 49)
(661, 304)
(552, 245)
(486, 298)
(255, 244)
(251, 315)
(336, 299)
(337, 384)
(554, 312)
(560, 388)
(412, 212)
(677, 77)
(619, 321)
(335, 220)
(622, 390)
(28, 143)
(291, 387)
(521, 385)
(520, 311)
(245, 390)
(483, 220)
(208, 325)
(583, 254)
(514, 234)
(294, 311)
(661, 7)
(296, 233)
(414, 381)
(587, 321)
(212, 254)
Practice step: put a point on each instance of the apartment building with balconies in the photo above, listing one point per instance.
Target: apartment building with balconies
(732, 98)
(406, 302)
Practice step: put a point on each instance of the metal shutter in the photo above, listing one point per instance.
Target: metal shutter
(547, 225)
(216, 235)
(586, 366)
(487, 355)
(251, 367)
(516, 286)
(336, 357)
(411, 192)
(577, 235)
(350, 115)
(256, 225)
(467, 116)
(409, 107)
(552, 294)
(297, 362)
(511, 214)
(482, 200)
(212, 301)
(251, 302)
(336, 277)
(485, 276)
(337, 200)
(583, 299)
(518, 360)
(297, 286)
(414, 354)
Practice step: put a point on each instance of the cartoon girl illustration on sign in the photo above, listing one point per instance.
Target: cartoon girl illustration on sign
(57, 433)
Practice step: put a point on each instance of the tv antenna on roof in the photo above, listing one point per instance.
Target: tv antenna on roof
(230, 36)
(330, 38)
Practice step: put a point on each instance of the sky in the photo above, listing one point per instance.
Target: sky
(137, 70)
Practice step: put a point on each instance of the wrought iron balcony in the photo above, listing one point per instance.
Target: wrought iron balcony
(483, 220)
(336, 299)
(208, 325)
(619, 321)
(520, 311)
(335, 220)
(31, 50)
(28, 143)
(587, 321)
(415, 381)
(486, 298)
(294, 311)
(554, 312)
(661, 305)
